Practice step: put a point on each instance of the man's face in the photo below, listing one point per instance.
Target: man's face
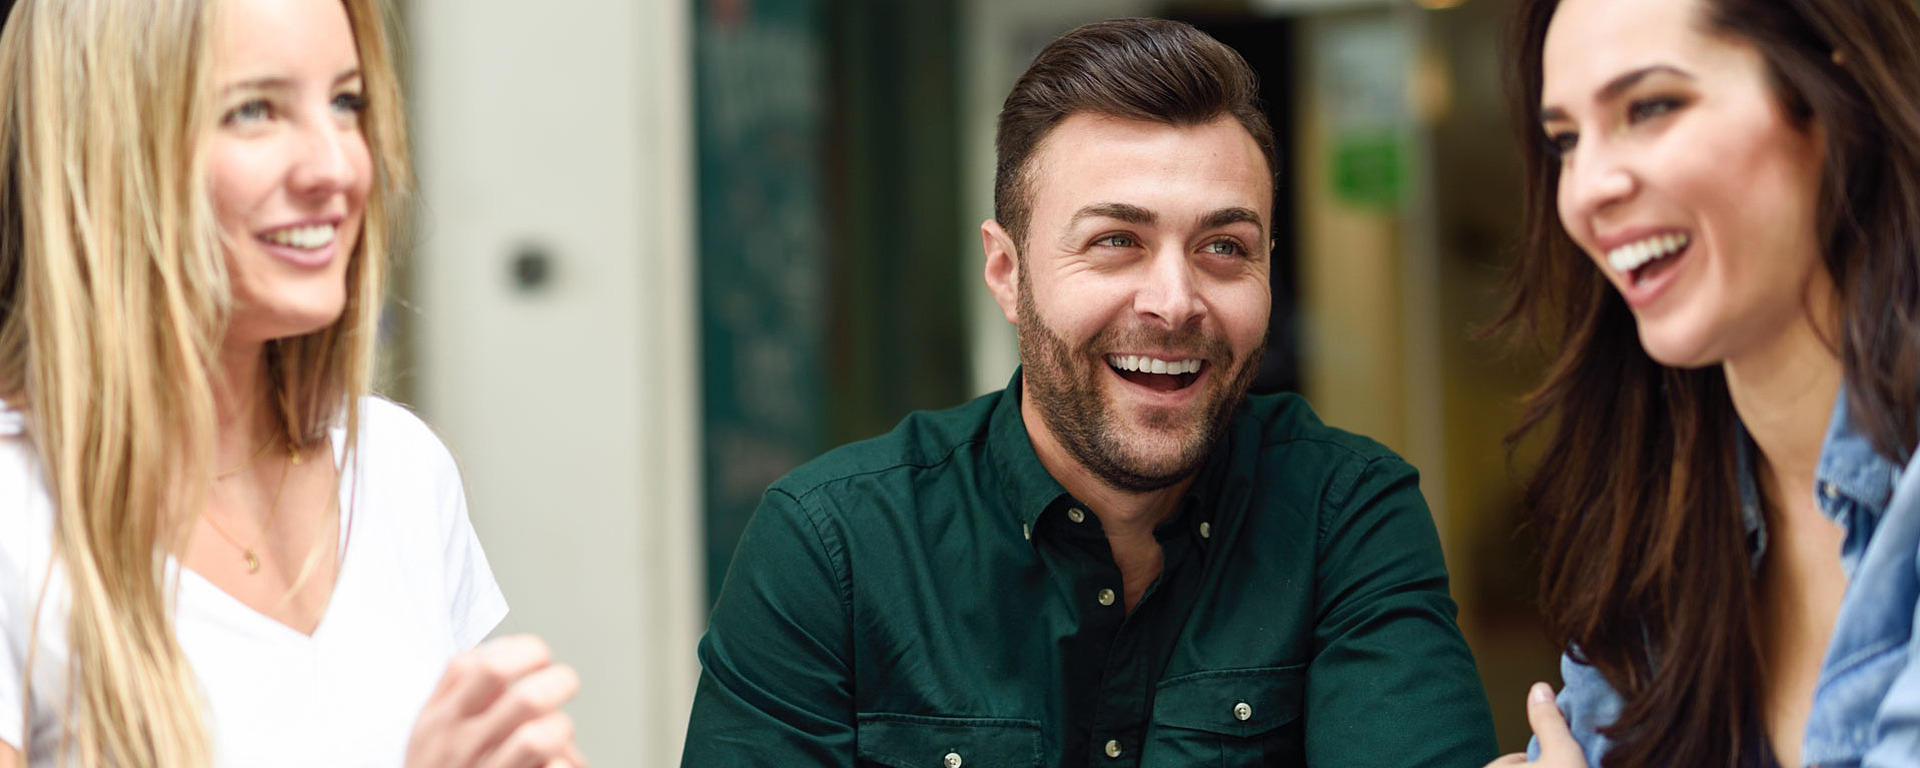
(1141, 293)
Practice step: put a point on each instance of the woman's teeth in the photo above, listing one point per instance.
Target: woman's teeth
(304, 238)
(1631, 256)
(1144, 364)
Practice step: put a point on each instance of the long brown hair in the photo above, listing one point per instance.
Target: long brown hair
(1646, 573)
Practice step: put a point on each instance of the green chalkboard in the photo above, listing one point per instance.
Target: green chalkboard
(760, 123)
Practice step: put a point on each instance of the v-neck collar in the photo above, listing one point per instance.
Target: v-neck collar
(252, 616)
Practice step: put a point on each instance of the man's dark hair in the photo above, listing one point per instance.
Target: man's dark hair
(1138, 69)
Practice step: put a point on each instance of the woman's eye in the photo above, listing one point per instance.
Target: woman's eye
(350, 103)
(1561, 144)
(1648, 109)
(1116, 241)
(248, 112)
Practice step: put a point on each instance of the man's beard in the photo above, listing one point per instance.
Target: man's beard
(1064, 384)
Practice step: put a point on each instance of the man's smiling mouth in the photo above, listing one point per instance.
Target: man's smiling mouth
(1156, 373)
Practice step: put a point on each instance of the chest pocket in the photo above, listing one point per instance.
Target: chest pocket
(1228, 718)
(916, 741)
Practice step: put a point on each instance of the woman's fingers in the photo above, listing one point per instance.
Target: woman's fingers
(1558, 748)
(526, 721)
(1557, 745)
(535, 743)
(475, 679)
(486, 697)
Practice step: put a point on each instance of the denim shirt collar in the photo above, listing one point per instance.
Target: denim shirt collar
(1849, 470)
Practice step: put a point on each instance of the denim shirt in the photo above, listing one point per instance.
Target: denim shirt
(1866, 705)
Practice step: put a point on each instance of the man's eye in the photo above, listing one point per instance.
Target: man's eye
(1117, 241)
(250, 111)
(1225, 248)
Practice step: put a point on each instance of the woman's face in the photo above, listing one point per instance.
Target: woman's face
(287, 166)
(1682, 176)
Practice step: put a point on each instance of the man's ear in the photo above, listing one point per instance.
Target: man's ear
(1003, 268)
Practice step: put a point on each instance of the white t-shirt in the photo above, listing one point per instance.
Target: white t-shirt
(413, 589)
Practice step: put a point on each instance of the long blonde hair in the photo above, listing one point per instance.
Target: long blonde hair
(113, 303)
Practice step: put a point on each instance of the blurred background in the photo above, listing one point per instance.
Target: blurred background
(669, 249)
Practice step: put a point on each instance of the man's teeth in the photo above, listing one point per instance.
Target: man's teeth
(1146, 364)
(1629, 257)
(302, 237)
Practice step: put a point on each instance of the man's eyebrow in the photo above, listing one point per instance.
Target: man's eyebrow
(1131, 214)
(1617, 86)
(1226, 216)
(278, 83)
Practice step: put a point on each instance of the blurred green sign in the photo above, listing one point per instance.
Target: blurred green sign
(1368, 170)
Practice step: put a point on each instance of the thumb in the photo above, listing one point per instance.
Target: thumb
(1549, 726)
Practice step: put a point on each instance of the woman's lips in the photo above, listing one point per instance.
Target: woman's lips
(309, 245)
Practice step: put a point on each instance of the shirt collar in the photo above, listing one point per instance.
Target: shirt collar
(1026, 488)
(1850, 467)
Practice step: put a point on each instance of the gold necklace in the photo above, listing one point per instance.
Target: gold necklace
(261, 451)
(247, 550)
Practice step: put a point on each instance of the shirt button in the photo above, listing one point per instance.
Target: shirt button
(1074, 514)
(1206, 530)
(1106, 597)
(1828, 490)
(1113, 748)
(953, 760)
(1242, 712)
(1026, 532)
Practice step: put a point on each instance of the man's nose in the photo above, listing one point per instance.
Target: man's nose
(1169, 289)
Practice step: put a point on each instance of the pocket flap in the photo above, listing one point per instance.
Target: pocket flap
(920, 741)
(1231, 702)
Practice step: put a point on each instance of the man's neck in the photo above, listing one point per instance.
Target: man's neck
(1128, 518)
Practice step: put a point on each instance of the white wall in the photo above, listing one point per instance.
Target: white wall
(573, 409)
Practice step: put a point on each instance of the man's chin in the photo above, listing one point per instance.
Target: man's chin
(1160, 421)
(1155, 450)
(1144, 468)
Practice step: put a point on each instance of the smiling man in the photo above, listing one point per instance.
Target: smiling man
(1121, 559)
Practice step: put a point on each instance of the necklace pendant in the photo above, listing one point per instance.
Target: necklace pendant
(253, 563)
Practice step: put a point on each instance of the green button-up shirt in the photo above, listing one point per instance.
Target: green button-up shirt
(933, 597)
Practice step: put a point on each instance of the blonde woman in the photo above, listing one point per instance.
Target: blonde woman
(215, 547)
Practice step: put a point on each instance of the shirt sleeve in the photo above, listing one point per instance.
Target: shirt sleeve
(1392, 681)
(475, 605)
(776, 681)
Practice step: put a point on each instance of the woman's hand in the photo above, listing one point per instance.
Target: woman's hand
(1558, 749)
(498, 706)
